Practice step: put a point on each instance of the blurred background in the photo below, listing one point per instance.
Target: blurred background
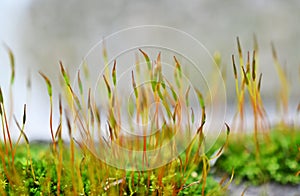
(40, 33)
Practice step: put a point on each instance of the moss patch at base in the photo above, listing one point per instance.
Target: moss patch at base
(278, 159)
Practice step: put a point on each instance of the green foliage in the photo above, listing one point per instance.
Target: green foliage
(44, 180)
(279, 158)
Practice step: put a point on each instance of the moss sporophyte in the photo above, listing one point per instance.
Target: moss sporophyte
(86, 165)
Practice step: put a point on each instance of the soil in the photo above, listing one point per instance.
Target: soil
(270, 189)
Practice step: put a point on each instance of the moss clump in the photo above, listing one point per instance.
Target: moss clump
(278, 161)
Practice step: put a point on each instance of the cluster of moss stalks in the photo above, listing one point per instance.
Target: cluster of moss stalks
(267, 154)
(73, 167)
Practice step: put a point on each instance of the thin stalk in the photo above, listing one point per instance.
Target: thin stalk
(4, 120)
(49, 87)
(12, 79)
(22, 133)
